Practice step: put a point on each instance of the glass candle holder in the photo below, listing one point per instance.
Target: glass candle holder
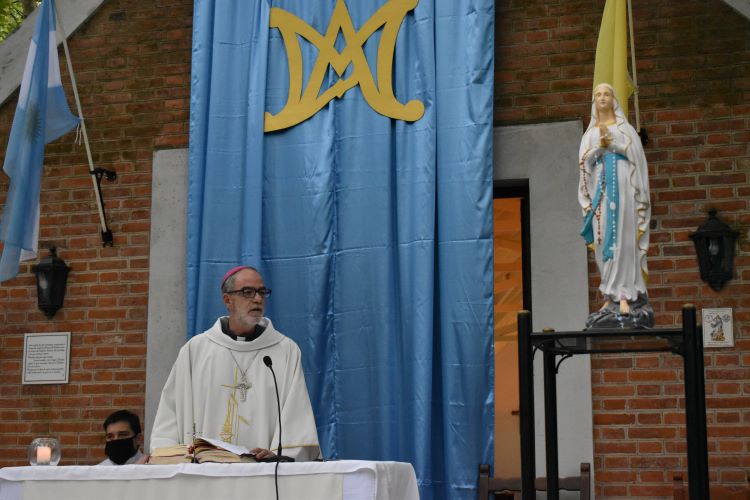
(44, 451)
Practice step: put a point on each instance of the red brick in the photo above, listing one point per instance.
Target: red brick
(614, 419)
(679, 115)
(682, 194)
(652, 447)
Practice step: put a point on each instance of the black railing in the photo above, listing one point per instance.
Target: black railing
(686, 342)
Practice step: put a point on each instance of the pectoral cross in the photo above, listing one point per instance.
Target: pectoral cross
(243, 386)
(194, 434)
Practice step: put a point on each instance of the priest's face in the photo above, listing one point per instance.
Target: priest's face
(245, 313)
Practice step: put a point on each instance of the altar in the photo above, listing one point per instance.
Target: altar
(346, 480)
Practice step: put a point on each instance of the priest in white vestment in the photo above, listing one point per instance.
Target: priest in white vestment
(219, 386)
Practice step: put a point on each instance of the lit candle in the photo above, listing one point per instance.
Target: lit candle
(43, 455)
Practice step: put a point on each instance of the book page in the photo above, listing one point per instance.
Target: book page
(234, 448)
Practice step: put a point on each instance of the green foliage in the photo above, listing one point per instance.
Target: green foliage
(12, 14)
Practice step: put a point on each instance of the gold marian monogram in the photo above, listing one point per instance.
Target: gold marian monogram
(301, 105)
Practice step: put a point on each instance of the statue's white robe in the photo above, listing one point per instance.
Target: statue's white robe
(201, 395)
(624, 276)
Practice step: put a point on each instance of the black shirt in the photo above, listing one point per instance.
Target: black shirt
(259, 329)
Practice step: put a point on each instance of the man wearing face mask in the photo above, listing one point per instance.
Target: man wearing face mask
(124, 438)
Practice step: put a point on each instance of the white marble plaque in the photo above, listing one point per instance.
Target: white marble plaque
(46, 358)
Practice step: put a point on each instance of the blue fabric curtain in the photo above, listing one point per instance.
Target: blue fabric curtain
(374, 234)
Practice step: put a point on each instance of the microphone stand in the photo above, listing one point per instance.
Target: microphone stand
(279, 457)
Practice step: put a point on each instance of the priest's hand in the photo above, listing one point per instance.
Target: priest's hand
(261, 453)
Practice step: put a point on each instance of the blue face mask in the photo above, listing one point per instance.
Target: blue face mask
(120, 450)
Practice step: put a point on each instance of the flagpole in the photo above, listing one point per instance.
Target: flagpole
(632, 63)
(96, 174)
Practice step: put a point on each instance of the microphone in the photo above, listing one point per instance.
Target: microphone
(279, 457)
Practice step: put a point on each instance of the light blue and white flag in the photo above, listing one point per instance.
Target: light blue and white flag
(42, 115)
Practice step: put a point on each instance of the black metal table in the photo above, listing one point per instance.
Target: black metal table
(686, 342)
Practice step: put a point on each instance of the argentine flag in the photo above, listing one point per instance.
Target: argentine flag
(42, 116)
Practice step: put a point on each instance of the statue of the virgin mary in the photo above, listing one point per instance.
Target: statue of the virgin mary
(614, 196)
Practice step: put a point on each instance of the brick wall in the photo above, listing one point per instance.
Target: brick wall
(693, 62)
(132, 64)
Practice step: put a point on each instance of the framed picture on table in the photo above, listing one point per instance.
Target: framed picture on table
(718, 327)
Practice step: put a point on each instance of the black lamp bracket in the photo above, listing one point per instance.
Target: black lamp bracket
(99, 172)
(111, 175)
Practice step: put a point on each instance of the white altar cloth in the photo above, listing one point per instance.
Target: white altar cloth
(347, 480)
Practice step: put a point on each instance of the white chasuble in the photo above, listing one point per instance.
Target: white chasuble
(206, 393)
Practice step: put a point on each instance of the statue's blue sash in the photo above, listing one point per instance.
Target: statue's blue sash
(612, 191)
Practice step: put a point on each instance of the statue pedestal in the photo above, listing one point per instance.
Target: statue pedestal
(641, 315)
(556, 347)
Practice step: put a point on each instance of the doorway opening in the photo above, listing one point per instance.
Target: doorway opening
(512, 292)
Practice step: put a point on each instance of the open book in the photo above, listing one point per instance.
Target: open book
(177, 454)
(215, 450)
(202, 450)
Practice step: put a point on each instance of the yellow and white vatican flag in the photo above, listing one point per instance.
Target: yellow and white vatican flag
(611, 63)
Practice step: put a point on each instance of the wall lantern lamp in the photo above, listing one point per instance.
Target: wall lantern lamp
(51, 278)
(714, 245)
